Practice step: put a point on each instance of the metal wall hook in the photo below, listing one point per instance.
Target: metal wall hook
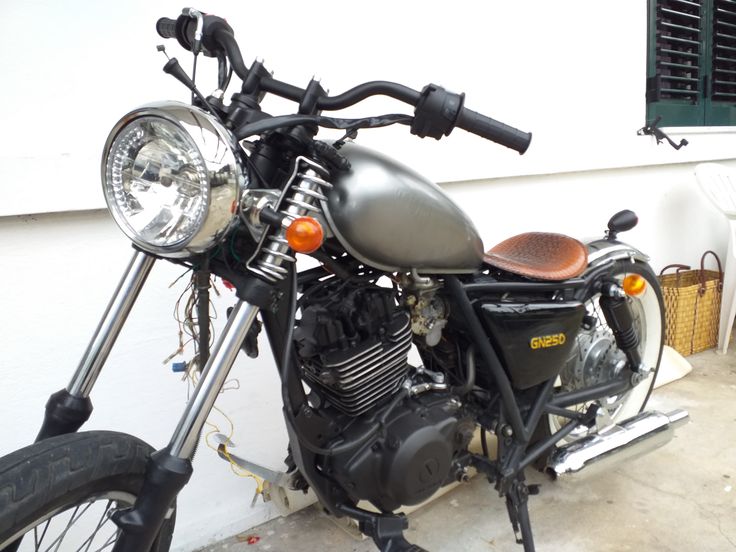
(653, 130)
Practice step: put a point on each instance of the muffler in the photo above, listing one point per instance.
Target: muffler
(631, 438)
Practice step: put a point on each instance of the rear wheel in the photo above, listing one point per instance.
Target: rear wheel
(58, 494)
(596, 358)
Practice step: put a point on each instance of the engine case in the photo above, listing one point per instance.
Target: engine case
(411, 459)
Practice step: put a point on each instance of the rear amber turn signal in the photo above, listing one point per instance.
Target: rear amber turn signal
(634, 285)
(305, 235)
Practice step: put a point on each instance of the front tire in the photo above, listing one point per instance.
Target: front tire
(61, 491)
(596, 354)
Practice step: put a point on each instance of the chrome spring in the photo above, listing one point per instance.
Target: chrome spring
(301, 196)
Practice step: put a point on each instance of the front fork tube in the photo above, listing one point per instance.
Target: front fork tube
(169, 469)
(68, 409)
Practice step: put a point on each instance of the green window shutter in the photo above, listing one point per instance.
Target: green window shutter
(691, 62)
(721, 104)
(676, 58)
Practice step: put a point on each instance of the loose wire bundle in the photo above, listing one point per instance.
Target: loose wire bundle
(185, 315)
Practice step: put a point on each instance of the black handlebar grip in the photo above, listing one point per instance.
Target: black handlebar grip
(493, 130)
(166, 28)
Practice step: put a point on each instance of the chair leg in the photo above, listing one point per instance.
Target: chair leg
(728, 300)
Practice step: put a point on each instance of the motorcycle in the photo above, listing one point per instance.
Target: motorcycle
(550, 345)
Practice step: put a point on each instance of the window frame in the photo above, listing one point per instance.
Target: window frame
(704, 111)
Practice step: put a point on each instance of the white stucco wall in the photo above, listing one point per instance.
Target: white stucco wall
(573, 73)
(676, 222)
(543, 66)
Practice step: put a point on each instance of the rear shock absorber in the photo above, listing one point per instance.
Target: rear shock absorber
(616, 311)
(304, 190)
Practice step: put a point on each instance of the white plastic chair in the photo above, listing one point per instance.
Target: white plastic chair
(718, 183)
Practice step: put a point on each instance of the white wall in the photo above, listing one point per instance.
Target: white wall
(547, 67)
(676, 222)
(573, 73)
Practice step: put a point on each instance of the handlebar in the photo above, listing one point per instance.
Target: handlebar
(166, 28)
(366, 90)
(436, 111)
(493, 130)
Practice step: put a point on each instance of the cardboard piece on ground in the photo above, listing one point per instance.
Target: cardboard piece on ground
(672, 367)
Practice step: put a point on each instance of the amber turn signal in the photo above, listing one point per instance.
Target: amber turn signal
(305, 235)
(634, 285)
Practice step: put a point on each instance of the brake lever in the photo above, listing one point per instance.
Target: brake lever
(653, 130)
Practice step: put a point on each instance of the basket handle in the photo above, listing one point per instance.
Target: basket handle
(679, 267)
(701, 274)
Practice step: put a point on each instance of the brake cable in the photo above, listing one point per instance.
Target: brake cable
(282, 121)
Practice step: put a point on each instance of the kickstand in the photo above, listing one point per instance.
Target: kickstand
(517, 499)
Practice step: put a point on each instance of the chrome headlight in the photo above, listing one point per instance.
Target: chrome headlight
(172, 178)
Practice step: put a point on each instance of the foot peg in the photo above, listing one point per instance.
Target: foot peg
(386, 530)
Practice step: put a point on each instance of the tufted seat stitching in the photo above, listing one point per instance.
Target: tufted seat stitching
(540, 256)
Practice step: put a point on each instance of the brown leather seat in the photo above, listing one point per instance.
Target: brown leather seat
(540, 256)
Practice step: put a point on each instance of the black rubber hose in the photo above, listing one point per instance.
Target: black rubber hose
(467, 387)
(284, 121)
(226, 39)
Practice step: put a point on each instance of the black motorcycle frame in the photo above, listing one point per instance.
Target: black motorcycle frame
(514, 421)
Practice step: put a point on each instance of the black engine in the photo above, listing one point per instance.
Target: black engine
(353, 344)
(353, 341)
(413, 457)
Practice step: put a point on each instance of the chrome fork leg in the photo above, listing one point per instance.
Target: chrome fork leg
(68, 409)
(168, 470)
(184, 440)
(112, 321)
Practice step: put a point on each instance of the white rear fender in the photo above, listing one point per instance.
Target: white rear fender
(603, 251)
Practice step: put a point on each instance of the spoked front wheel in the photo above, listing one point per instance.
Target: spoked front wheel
(58, 495)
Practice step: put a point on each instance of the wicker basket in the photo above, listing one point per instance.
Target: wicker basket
(692, 306)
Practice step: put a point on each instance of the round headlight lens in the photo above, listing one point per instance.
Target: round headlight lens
(157, 184)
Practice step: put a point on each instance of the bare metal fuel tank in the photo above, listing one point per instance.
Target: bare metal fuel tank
(391, 218)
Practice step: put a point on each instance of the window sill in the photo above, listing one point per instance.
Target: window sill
(700, 130)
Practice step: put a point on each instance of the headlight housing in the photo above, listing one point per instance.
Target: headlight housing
(172, 177)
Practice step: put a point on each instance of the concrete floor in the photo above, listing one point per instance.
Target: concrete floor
(679, 498)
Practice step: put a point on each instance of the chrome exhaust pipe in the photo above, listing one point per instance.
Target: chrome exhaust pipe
(631, 438)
